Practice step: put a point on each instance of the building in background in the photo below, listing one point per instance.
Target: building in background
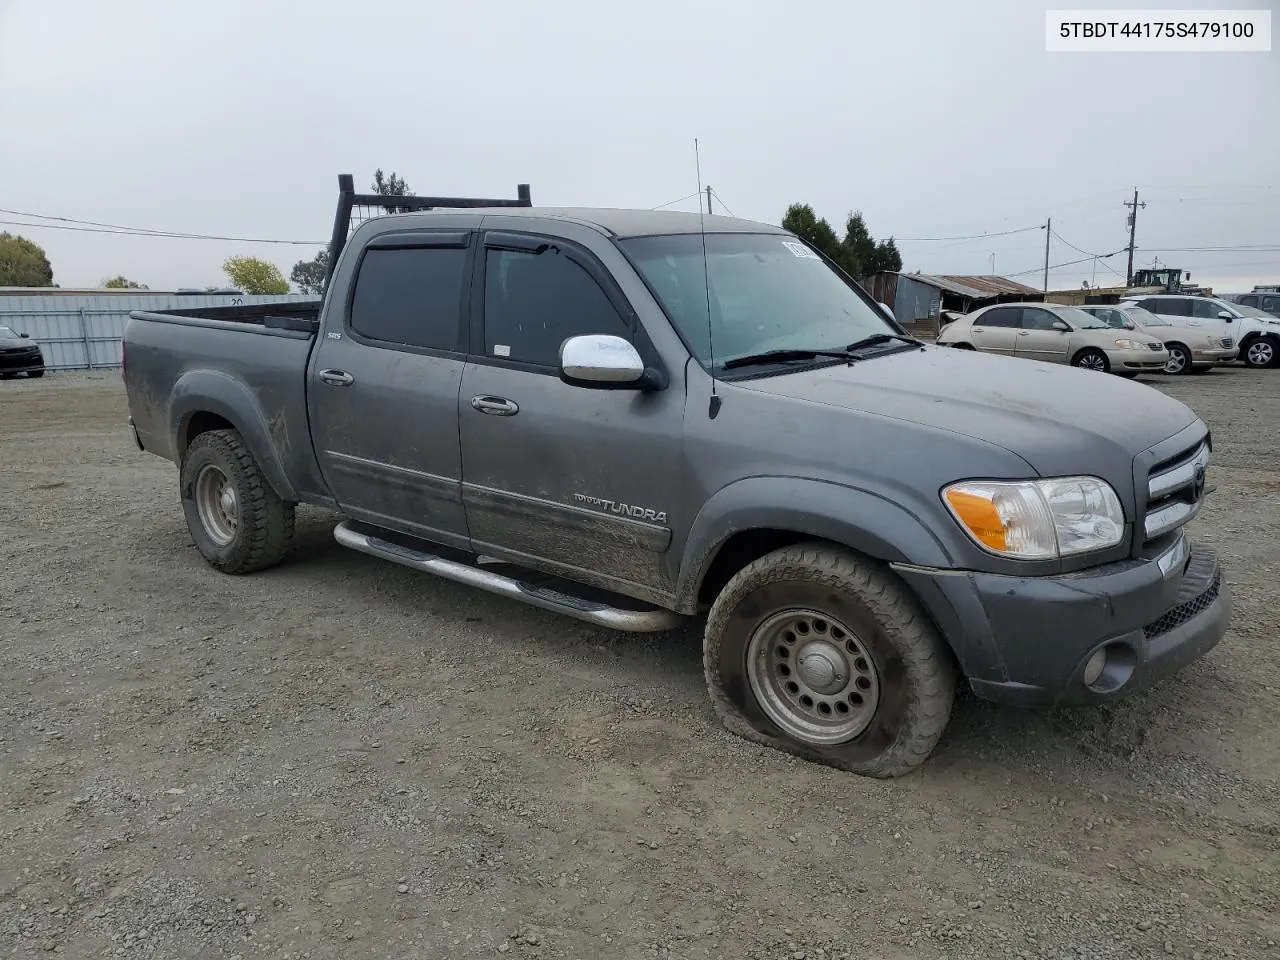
(919, 300)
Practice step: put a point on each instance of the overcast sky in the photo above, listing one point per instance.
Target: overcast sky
(934, 119)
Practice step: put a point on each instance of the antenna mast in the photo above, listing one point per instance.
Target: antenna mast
(713, 407)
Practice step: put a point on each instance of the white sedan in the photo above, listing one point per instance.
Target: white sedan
(1057, 334)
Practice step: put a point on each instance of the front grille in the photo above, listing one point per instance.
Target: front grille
(1156, 346)
(1175, 490)
(1227, 343)
(1185, 612)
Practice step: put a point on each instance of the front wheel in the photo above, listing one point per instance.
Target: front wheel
(817, 652)
(1092, 360)
(1260, 353)
(237, 521)
(1179, 361)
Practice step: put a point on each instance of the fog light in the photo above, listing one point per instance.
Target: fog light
(1093, 669)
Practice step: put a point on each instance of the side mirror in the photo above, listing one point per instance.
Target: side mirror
(25, 336)
(1062, 325)
(1224, 315)
(887, 311)
(605, 362)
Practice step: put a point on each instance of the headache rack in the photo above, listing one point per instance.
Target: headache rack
(354, 208)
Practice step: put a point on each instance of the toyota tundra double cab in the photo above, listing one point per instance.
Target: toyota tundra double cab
(639, 418)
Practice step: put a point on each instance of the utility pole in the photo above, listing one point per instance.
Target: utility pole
(709, 210)
(1048, 231)
(1133, 229)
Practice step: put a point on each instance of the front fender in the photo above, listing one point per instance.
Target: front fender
(208, 391)
(863, 520)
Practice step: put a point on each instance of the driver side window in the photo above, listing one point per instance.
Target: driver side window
(533, 302)
(1205, 309)
(1033, 318)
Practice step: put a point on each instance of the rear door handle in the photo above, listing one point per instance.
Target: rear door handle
(495, 406)
(337, 378)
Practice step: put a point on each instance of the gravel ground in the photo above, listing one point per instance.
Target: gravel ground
(343, 758)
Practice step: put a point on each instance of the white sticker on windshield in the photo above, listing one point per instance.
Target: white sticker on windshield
(800, 250)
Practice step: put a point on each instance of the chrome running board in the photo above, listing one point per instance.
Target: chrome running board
(646, 620)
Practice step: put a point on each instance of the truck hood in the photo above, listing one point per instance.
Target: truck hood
(1059, 419)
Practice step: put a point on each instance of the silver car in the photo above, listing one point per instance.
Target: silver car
(1191, 350)
(1057, 334)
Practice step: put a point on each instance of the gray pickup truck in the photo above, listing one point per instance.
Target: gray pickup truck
(637, 417)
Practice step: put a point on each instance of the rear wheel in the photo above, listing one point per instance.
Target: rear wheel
(1260, 353)
(820, 653)
(1179, 359)
(1092, 360)
(235, 518)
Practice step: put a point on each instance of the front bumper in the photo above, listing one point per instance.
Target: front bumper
(1027, 640)
(1204, 356)
(23, 362)
(1151, 360)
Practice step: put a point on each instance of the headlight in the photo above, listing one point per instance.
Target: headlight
(1038, 519)
(1124, 344)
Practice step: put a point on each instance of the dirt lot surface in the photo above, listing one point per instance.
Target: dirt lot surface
(343, 758)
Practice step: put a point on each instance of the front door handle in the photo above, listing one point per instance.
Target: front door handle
(337, 378)
(495, 406)
(1023, 333)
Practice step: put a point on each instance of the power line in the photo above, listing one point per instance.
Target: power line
(92, 226)
(1069, 263)
(976, 236)
(716, 194)
(1252, 247)
(672, 203)
(1094, 256)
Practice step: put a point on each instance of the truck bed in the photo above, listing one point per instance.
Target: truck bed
(301, 317)
(245, 365)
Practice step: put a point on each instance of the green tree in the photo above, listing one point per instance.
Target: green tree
(804, 223)
(122, 283)
(391, 185)
(308, 275)
(888, 257)
(255, 276)
(859, 246)
(858, 254)
(23, 263)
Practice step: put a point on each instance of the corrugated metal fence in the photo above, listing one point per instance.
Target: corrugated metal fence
(84, 332)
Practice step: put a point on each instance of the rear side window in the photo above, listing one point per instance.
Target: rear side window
(1270, 304)
(534, 301)
(410, 296)
(998, 317)
(1249, 300)
(1170, 306)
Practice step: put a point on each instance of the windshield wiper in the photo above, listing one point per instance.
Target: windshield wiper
(878, 338)
(784, 356)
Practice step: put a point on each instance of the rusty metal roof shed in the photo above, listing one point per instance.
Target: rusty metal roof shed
(974, 288)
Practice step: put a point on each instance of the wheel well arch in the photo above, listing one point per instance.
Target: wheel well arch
(746, 546)
(740, 550)
(964, 346)
(201, 421)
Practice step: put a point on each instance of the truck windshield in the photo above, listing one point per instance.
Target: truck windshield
(766, 291)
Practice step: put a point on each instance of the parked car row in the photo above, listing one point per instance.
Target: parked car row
(19, 354)
(1151, 334)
